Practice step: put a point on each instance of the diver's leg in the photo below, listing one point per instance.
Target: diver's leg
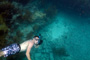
(10, 50)
(2, 53)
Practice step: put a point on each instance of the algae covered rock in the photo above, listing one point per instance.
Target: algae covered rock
(3, 32)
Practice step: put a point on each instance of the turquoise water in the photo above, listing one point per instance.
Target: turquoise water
(64, 26)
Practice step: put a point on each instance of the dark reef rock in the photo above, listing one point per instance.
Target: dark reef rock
(23, 2)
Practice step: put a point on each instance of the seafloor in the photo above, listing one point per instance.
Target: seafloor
(63, 24)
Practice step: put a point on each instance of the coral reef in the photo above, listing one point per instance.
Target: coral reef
(2, 0)
(38, 14)
(17, 37)
(36, 27)
(3, 32)
(30, 35)
(23, 2)
(27, 15)
(7, 10)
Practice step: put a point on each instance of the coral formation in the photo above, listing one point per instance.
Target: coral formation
(30, 35)
(27, 15)
(17, 37)
(7, 10)
(3, 32)
(38, 14)
(36, 27)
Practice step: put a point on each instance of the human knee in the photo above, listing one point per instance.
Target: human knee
(1, 53)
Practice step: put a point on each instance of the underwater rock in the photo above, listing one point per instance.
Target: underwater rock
(60, 52)
(36, 27)
(30, 35)
(23, 2)
(27, 15)
(38, 14)
(3, 32)
(7, 10)
(3, 25)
